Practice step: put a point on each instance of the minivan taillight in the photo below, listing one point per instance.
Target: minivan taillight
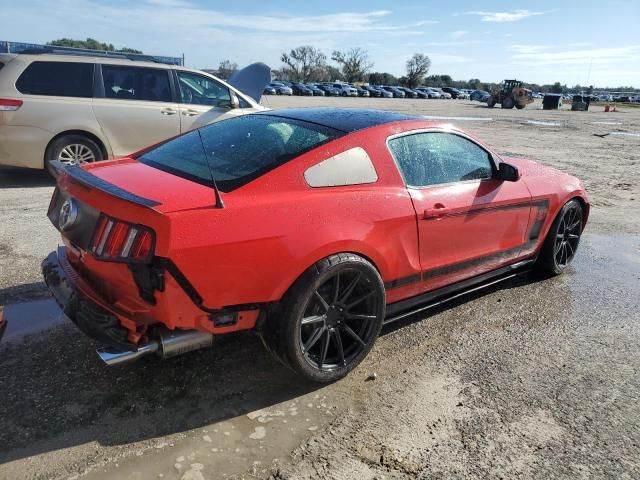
(9, 105)
(119, 241)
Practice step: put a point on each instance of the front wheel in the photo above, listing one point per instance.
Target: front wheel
(330, 318)
(563, 238)
(491, 102)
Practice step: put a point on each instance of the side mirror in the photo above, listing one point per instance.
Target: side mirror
(507, 172)
(235, 103)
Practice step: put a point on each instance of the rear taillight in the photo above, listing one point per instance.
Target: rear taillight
(9, 105)
(120, 241)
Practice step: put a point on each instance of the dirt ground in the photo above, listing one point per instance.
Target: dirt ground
(537, 378)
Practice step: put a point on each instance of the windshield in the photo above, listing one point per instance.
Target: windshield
(239, 150)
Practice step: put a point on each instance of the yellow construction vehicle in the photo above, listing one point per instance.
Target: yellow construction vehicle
(510, 94)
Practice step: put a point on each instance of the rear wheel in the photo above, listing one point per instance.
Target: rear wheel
(563, 238)
(330, 318)
(73, 149)
(507, 102)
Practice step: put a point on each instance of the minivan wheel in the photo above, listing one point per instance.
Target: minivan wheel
(329, 319)
(72, 149)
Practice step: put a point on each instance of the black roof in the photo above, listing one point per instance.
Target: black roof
(345, 119)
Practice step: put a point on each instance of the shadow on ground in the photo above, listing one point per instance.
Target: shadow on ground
(56, 393)
(24, 178)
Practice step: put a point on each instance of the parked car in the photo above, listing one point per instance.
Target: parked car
(329, 89)
(373, 91)
(408, 93)
(362, 92)
(84, 108)
(420, 93)
(141, 271)
(317, 92)
(301, 89)
(442, 93)
(430, 92)
(480, 96)
(269, 90)
(396, 92)
(454, 92)
(281, 88)
(383, 92)
(345, 89)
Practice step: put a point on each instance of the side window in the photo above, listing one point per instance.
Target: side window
(136, 83)
(200, 90)
(351, 167)
(60, 79)
(434, 158)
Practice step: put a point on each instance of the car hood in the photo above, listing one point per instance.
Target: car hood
(251, 80)
(529, 168)
(164, 192)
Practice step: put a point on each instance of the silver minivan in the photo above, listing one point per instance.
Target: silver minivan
(78, 108)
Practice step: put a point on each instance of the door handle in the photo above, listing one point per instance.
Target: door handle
(168, 111)
(190, 113)
(438, 211)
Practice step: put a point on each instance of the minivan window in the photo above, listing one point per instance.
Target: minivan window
(200, 90)
(60, 79)
(136, 83)
(239, 149)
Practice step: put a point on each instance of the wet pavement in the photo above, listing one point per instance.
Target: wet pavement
(231, 411)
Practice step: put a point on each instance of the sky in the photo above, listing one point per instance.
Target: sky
(573, 42)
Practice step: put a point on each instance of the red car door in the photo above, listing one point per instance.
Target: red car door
(468, 221)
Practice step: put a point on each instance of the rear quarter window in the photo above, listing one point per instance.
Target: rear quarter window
(60, 79)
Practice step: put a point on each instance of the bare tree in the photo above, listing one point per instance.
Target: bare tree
(355, 63)
(417, 67)
(227, 68)
(305, 63)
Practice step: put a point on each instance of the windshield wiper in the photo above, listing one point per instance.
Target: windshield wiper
(219, 203)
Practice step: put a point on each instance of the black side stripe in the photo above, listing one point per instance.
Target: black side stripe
(534, 233)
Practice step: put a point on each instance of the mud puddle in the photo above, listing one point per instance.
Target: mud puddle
(245, 446)
(28, 318)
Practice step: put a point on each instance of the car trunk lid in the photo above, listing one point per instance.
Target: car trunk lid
(144, 185)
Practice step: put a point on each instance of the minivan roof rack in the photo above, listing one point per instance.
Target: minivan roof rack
(35, 49)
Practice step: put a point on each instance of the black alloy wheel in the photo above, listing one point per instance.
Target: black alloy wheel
(329, 319)
(339, 320)
(568, 236)
(562, 241)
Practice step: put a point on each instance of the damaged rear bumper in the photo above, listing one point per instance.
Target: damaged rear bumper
(89, 317)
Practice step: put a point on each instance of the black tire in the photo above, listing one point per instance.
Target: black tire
(491, 102)
(57, 148)
(507, 102)
(520, 106)
(562, 241)
(329, 319)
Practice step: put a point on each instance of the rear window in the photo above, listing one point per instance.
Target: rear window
(136, 83)
(239, 150)
(60, 79)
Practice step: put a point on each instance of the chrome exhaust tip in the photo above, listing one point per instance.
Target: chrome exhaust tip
(168, 344)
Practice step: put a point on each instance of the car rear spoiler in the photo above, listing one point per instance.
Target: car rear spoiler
(251, 80)
(82, 176)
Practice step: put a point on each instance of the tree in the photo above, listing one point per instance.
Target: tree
(355, 63)
(227, 68)
(438, 81)
(305, 63)
(417, 67)
(556, 88)
(92, 44)
(385, 78)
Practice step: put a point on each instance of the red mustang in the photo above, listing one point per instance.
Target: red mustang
(312, 227)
